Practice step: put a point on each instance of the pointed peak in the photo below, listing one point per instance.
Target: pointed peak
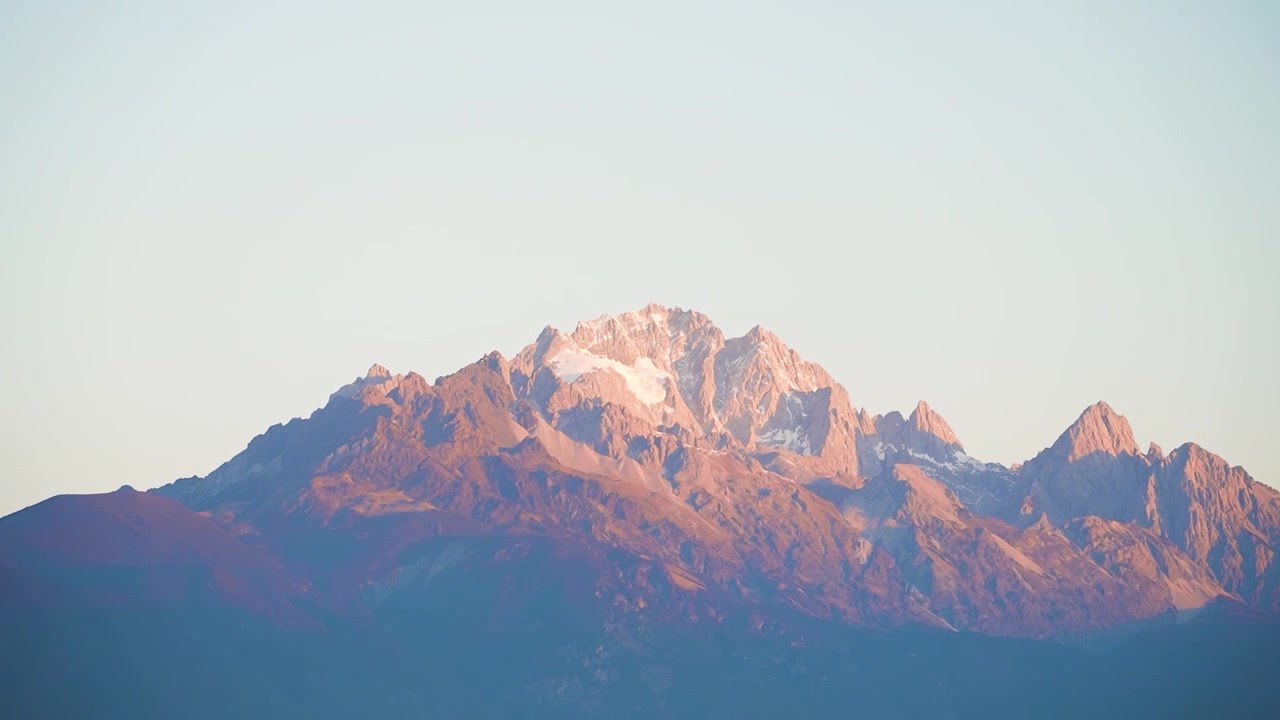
(652, 312)
(865, 422)
(496, 362)
(761, 342)
(594, 324)
(549, 340)
(378, 377)
(1042, 523)
(1195, 459)
(614, 331)
(412, 386)
(1101, 408)
(687, 317)
(926, 420)
(1195, 450)
(654, 308)
(652, 315)
(1098, 429)
(1155, 452)
(650, 321)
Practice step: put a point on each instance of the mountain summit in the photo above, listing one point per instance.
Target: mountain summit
(657, 469)
(673, 371)
(612, 499)
(923, 419)
(1099, 429)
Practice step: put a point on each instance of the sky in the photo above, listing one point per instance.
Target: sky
(212, 215)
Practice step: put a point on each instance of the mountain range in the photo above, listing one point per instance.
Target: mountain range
(591, 525)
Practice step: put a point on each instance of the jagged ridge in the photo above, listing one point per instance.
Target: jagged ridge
(739, 467)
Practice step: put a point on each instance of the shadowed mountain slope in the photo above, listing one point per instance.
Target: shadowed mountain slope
(646, 514)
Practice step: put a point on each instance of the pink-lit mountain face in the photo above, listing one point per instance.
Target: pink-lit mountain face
(644, 518)
(731, 470)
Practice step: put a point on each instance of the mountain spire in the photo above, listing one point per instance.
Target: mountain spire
(1098, 429)
(926, 420)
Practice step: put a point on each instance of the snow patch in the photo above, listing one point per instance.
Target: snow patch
(645, 380)
(786, 428)
(959, 462)
(792, 438)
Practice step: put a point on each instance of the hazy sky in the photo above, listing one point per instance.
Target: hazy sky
(210, 218)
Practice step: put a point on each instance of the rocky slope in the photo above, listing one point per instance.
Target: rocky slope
(731, 469)
(643, 498)
(1222, 521)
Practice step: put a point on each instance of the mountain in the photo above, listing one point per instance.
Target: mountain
(1221, 520)
(925, 440)
(742, 467)
(644, 497)
(672, 372)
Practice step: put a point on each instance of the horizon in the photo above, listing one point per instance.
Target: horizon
(211, 218)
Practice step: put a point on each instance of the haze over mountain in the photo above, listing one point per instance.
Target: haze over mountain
(999, 249)
(638, 484)
(706, 434)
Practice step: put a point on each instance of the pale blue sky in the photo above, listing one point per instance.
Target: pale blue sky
(210, 218)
